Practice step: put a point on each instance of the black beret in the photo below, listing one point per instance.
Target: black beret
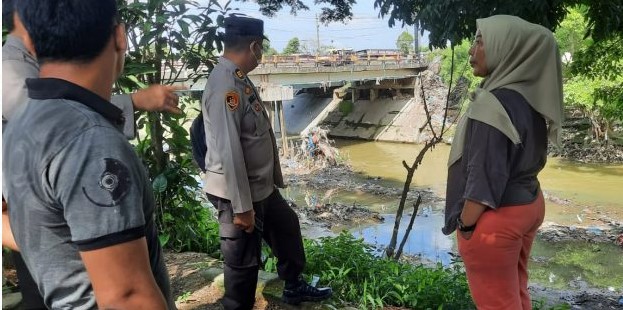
(237, 25)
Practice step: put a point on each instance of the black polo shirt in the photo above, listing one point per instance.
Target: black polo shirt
(74, 183)
(493, 170)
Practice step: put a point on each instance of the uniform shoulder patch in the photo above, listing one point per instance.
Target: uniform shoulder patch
(232, 100)
(247, 90)
(114, 185)
(239, 74)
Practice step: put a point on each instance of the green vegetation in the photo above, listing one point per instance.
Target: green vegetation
(368, 281)
(346, 106)
(267, 50)
(184, 222)
(405, 42)
(184, 297)
(461, 63)
(156, 52)
(597, 264)
(540, 305)
(593, 86)
(293, 47)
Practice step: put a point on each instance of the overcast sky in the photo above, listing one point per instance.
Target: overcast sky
(365, 30)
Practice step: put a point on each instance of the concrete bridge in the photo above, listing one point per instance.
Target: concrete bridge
(314, 75)
(300, 75)
(278, 81)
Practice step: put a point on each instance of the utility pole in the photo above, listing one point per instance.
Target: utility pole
(317, 35)
(416, 43)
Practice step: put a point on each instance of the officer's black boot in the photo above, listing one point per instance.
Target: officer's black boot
(297, 291)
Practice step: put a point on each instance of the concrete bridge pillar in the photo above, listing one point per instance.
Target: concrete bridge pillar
(277, 120)
(374, 94)
(282, 128)
(355, 94)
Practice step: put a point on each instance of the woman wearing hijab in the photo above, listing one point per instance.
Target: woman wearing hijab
(493, 198)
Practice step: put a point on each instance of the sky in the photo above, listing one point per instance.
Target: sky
(365, 30)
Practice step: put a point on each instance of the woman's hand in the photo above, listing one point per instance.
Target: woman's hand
(470, 215)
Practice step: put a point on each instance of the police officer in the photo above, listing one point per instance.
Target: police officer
(243, 174)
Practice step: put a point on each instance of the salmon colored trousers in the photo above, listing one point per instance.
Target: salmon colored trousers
(496, 256)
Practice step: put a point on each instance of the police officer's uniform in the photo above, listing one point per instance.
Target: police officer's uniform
(243, 173)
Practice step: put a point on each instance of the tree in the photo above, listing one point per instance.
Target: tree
(593, 83)
(293, 47)
(166, 38)
(455, 20)
(461, 67)
(571, 31)
(600, 100)
(405, 42)
(267, 49)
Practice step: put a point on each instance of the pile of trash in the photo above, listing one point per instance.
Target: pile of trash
(316, 148)
(331, 215)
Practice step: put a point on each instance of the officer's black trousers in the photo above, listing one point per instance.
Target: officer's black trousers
(278, 225)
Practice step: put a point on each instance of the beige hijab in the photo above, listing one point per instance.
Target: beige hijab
(523, 57)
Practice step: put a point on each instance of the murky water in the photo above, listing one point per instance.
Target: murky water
(584, 184)
(576, 264)
(560, 265)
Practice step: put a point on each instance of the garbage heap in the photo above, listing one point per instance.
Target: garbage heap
(316, 148)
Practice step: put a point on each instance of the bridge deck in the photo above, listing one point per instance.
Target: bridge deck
(307, 67)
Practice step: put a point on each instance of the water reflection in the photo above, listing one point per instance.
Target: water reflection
(425, 240)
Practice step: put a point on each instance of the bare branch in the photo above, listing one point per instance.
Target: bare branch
(428, 115)
(445, 113)
(416, 207)
(389, 251)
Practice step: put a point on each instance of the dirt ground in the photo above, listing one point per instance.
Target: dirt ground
(193, 291)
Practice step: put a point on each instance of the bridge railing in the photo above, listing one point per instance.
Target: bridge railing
(310, 61)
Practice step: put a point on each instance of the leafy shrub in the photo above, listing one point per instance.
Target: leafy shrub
(359, 277)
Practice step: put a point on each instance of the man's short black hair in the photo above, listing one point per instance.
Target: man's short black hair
(68, 30)
(8, 7)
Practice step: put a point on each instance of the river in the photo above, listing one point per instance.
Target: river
(579, 190)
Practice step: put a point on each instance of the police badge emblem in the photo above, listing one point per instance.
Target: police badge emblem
(232, 100)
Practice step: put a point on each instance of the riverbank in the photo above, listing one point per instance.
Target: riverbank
(578, 145)
(593, 227)
(401, 118)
